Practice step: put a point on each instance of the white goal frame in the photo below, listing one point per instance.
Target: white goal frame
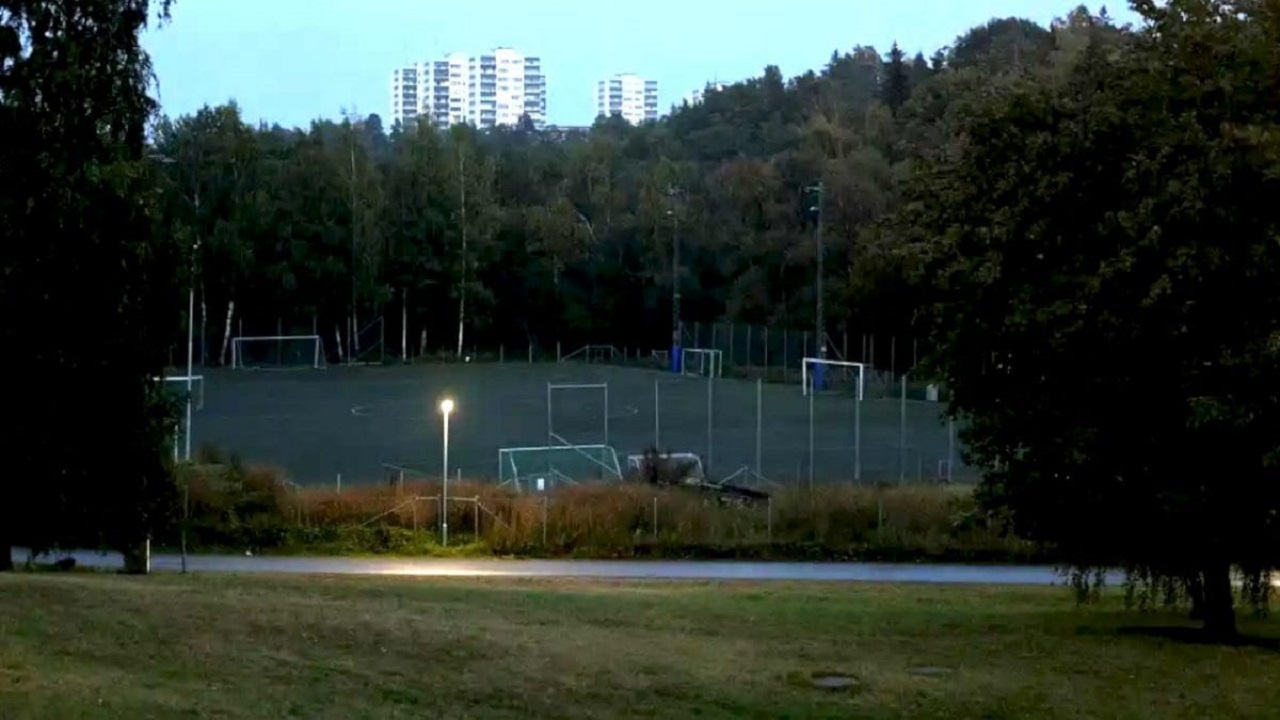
(607, 462)
(710, 362)
(808, 362)
(636, 462)
(237, 360)
(193, 385)
(594, 354)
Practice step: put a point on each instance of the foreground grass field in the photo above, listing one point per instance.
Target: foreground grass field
(85, 645)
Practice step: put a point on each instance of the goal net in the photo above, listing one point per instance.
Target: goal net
(594, 354)
(820, 374)
(703, 362)
(667, 468)
(282, 352)
(542, 468)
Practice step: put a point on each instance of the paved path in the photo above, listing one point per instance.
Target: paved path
(614, 569)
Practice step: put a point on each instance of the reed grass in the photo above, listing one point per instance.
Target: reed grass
(233, 507)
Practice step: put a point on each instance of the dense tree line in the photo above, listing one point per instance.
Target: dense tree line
(516, 236)
(85, 281)
(1102, 252)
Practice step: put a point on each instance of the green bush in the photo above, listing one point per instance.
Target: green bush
(233, 507)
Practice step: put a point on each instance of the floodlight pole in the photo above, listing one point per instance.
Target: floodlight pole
(676, 340)
(657, 418)
(759, 422)
(819, 319)
(191, 313)
(191, 322)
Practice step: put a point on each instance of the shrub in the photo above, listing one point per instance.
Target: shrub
(237, 507)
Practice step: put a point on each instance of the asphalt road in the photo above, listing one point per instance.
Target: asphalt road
(599, 569)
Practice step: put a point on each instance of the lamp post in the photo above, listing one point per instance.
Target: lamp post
(446, 408)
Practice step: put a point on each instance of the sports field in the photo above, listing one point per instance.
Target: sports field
(361, 422)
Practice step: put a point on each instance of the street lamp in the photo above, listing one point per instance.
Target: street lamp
(446, 409)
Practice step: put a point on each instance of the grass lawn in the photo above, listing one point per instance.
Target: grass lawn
(222, 646)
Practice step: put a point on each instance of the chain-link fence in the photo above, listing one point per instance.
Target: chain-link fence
(773, 434)
(752, 421)
(776, 354)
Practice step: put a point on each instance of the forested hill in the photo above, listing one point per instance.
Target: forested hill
(545, 237)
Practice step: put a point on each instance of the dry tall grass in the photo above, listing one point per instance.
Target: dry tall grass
(251, 506)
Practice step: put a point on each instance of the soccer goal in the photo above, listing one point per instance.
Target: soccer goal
(662, 468)
(277, 352)
(703, 362)
(817, 374)
(368, 344)
(543, 468)
(176, 386)
(594, 354)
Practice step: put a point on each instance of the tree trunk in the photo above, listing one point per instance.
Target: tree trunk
(1218, 609)
(1195, 590)
(137, 558)
(226, 332)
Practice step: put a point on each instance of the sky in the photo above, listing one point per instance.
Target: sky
(292, 61)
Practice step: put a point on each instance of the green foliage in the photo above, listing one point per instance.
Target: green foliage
(87, 288)
(234, 508)
(568, 235)
(1102, 247)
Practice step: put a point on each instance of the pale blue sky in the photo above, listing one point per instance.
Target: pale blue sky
(290, 61)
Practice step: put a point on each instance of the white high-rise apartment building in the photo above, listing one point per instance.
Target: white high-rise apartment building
(409, 86)
(629, 96)
(495, 88)
(504, 85)
(695, 97)
(448, 96)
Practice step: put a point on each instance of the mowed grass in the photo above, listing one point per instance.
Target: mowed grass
(221, 646)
